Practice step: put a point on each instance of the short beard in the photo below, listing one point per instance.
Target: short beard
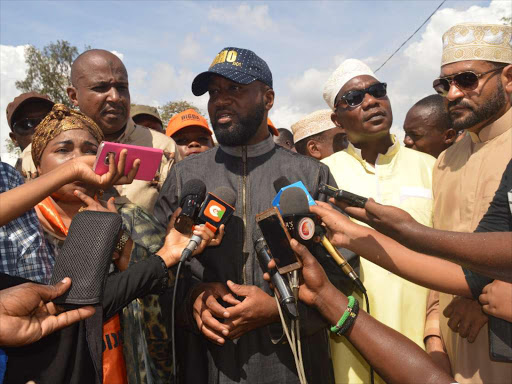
(241, 132)
(485, 112)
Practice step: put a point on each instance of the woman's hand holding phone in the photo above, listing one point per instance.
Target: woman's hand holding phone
(82, 170)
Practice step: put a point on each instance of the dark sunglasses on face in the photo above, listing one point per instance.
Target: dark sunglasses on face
(355, 98)
(26, 126)
(465, 81)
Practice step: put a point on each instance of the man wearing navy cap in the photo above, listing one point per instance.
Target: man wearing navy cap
(230, 303)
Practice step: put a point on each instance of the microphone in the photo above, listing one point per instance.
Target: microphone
(294, 201)
(192, 196)
(286, 299)
(280, 183)
(216, 210)
(350, 198)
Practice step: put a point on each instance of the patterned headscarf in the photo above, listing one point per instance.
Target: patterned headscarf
(60, 119)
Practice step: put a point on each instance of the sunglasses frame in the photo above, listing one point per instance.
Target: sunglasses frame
(16, 128)
(451, 80)
(364, 91)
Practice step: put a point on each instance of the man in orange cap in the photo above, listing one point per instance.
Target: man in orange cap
(191, 133)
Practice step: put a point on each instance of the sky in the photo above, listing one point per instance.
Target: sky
(165, 44)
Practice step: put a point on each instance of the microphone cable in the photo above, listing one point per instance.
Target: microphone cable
(173, 310)
(293, 332)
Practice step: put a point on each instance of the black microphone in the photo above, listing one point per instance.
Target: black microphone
(192, 197)
(286, 299)
(295, 201)
(216, 210)
(350, 198)
(280, 183)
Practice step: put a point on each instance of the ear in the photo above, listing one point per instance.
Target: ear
(449, 136)
(334, 118)
(72, 94)
(268, 98)
(313, 150)
(506, 78)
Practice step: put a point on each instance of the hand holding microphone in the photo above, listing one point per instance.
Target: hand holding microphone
(295, 207)
(176, 241)
(215, 211)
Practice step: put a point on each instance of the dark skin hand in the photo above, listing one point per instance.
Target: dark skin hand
(487, 253)
(466, 317)
(27, 313)
(395, 358)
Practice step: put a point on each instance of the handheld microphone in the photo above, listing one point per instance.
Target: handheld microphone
(192, 196)
(216, 210)
(294, 201)
(351, 199)
(280, 183)
(286, 299)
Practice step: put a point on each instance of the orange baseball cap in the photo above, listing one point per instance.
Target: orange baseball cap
(272, 127)
(184, 119)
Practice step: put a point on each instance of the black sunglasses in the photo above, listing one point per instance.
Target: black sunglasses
(465, 81)
(355, 98)
(24, 126)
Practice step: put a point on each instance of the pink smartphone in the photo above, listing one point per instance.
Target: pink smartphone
(150, 159)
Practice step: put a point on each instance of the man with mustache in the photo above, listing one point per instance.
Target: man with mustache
(375, 165)
(232, 305)
(476, 82)
(99, 88)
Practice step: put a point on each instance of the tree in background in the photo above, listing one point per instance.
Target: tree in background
(171, 108)
(49, 70)
(506, 20)
(49, 73)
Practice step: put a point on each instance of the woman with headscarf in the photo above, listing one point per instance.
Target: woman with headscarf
(64, 135)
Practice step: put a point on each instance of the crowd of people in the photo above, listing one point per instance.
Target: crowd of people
(432, 245)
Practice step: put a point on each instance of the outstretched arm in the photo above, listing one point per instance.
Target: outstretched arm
(489, 253)
(15, 202)
(396, 358)
(424, 270)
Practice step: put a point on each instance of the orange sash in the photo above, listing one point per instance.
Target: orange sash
(114, 367)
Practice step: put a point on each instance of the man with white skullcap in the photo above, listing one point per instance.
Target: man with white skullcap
(375, 165)
(476, 82)
(316, 135)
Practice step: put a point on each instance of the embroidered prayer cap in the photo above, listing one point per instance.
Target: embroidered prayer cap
(242, 66)
(316, 122)
(187, 118)
(347, 70)
(60, 119)
(477, 41)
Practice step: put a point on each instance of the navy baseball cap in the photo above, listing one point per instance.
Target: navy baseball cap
(236, 64)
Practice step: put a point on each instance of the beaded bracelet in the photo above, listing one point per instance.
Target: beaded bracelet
(348, 317)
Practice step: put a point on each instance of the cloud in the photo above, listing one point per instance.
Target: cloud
(190, 50)
(12, 68)
(244, 17)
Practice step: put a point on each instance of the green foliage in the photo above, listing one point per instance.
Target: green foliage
(49, 70)
(171, 108)
(12, 148)
(507, 20)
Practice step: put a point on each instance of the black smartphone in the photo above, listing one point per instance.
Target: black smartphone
(350, 198)
(278, 240)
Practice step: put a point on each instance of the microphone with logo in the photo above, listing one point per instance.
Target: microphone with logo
(305, 227)
(281, 286)
(194, 192)
(216, 210)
